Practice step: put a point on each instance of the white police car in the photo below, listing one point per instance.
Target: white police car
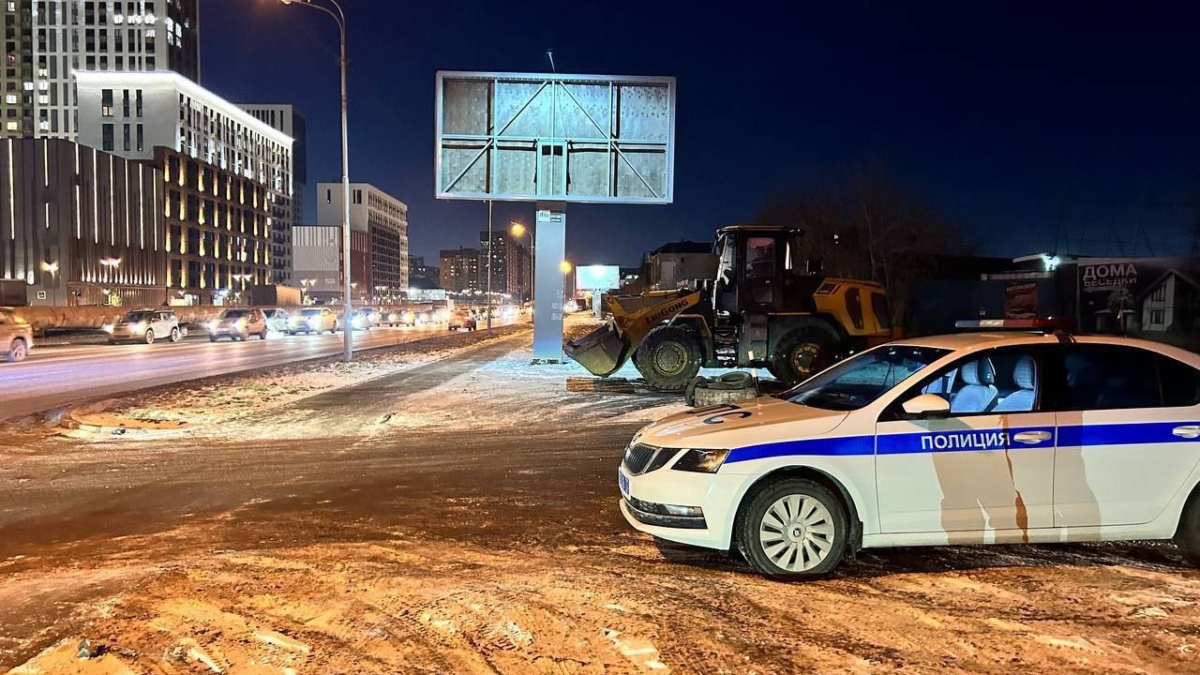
(975, 438)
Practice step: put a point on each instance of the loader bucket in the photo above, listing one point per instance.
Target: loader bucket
(602, 352)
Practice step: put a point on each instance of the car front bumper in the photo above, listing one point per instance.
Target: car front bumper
(714, 494)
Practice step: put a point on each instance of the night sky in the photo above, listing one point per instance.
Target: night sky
(998, 113)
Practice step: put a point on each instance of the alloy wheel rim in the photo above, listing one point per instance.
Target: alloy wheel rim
(796, 533)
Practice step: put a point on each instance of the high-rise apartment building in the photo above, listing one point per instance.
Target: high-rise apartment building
(46, 41)
(287, 213)
(511, 265)
(384, 219)
(459, 270)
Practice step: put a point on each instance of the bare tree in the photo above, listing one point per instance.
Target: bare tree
(861, 224)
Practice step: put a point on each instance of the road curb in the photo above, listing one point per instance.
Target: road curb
(71, 422)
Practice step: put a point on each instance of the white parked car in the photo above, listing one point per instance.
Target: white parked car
(145, 325)
(979, 438)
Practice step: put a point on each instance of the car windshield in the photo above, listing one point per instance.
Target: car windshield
(137, 316)
(234, 314)
(859, 381)
(311, 312)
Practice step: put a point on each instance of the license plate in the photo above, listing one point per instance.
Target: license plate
(623, 481)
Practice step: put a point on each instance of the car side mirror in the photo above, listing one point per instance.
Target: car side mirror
(926, 407)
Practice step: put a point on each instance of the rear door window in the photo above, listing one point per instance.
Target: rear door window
(1180, 383)
(1111, 377)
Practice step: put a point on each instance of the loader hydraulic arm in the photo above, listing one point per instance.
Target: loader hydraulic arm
(606, 349)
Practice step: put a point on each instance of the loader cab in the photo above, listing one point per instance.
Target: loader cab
(759, 271)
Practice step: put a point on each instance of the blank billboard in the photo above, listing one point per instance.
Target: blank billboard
(597, 277)
(554, 137)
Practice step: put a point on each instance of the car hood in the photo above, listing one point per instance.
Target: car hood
(753, 422)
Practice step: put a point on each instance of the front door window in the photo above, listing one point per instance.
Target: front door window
(985, 472)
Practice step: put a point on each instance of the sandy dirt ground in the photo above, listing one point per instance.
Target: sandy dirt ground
(458, 515)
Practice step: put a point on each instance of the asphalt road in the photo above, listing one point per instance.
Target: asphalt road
(57, 376)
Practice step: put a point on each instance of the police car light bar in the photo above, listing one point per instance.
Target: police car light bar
(1017, 324)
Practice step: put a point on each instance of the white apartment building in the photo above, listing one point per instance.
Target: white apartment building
(384, 218)
(46, 41)
(286, 213)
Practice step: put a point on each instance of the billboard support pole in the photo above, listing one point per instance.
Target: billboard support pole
(550, 243)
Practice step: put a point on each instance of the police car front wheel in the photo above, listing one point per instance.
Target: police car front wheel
(794, 528)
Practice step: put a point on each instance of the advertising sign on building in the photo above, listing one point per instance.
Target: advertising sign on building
(1113, 292)
(1020, 300)
(1103, 275)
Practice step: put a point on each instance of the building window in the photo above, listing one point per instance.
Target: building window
(138, 97)
(106, 102)
(108, 138)
(125, 103)
(1160, 293)
(141, 140)
(1158, 317)
(126, 139)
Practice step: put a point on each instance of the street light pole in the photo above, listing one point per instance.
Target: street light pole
(491, 254)
(340, 17)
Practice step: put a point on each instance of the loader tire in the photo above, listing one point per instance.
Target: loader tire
(669, 358)
(802, 353)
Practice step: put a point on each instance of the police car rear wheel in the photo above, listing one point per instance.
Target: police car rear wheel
(1187, 537)
(794, 528)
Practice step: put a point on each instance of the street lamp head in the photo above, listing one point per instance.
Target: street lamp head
(518, 229)
(565, 266)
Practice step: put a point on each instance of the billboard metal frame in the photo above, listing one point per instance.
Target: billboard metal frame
(491, 141)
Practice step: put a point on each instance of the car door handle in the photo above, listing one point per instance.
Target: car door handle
(1189, 431)
(1033, 437)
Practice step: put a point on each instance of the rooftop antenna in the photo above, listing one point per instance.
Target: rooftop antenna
(550, 55)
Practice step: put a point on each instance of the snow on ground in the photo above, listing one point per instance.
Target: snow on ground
(225, 399)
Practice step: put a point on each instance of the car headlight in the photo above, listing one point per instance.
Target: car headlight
(107, 328)
(701, 461)
(314, 322)
(358, 322)
(241, 323)
(211, 326)
(137, 327)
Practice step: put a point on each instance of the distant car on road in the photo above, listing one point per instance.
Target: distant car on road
(312, 320)
(16, 336)
(402, 317)
(145, 325)
(362, 318)
(277, 319)
(238, 324)
(461, 318)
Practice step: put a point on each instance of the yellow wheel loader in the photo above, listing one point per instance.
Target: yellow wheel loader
(764, 309)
